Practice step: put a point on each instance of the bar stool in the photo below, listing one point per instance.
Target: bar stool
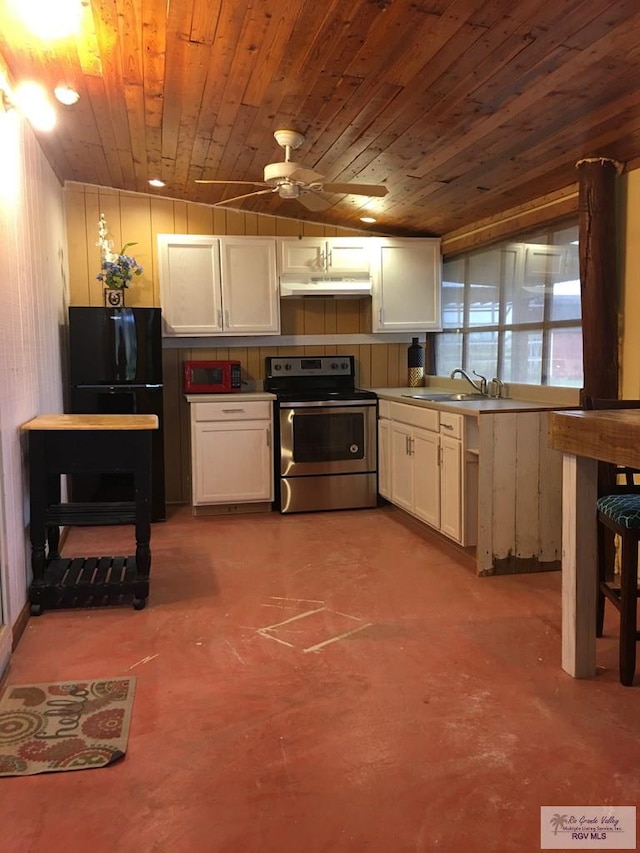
(619, 511)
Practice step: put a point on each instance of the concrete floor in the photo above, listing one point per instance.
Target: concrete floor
(404, 704)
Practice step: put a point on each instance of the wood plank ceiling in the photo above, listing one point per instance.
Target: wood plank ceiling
(462, 108)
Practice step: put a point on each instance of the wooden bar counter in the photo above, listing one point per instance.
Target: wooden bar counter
(585, 438)
(78, 444)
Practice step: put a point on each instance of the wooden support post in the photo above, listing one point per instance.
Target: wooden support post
(598, 275)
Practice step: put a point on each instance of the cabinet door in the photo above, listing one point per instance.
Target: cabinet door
(348, 255)
(451, 487)
(406, 285)
(401, 466)
(384, 458)
(190, 293)
(426, 476)
(250, 298)
(335, 255)
(231, 462)
(302, 256)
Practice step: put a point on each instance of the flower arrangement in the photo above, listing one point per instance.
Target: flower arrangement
(116, 271)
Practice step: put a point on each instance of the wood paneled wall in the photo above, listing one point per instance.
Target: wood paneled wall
(139, 218)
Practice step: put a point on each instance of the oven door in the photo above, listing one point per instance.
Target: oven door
(327, 437)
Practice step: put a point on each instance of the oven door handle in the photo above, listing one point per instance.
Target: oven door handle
(321, 404)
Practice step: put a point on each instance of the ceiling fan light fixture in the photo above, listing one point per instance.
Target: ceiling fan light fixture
(156, 182)
(287, 190)
(367, 219)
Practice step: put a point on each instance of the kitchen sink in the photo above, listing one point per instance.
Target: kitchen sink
(447, 398)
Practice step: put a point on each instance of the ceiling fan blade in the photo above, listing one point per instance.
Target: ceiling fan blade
(240, 197)
(378, 190)
(314, 201)
(246, 183)
(306, 176)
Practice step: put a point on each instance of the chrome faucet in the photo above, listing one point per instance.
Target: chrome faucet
(480, 387)
(496, 387)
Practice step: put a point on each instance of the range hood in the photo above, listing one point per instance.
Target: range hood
(345, 288)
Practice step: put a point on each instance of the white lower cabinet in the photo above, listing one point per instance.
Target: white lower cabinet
(451, 495)
(426, 497)
(384, 458)
(402, 467)
(231, 452)
(426, 470)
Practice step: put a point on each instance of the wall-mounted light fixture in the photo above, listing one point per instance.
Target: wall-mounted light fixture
(34, 104)
(5, 101)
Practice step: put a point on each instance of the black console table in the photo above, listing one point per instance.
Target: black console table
(79, 444)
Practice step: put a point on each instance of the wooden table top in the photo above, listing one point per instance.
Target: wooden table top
(92, 422)
(611, 435)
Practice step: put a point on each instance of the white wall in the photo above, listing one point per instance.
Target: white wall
(33, 288)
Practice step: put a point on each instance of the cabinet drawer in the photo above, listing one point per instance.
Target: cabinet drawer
(451, 424)
(232, 410)
(415, 416)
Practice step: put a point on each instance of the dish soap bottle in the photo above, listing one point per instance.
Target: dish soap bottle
(415, 364)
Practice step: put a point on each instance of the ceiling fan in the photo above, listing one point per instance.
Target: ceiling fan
(293, 180)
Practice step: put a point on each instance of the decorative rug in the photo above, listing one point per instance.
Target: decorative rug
(69, 725)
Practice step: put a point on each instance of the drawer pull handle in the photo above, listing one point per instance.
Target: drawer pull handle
(232, 411)
(446, 426)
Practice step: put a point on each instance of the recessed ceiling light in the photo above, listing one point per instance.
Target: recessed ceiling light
(156, 182)
(367, 219)
(66, 95)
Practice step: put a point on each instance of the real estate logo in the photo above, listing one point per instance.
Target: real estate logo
(588, 827)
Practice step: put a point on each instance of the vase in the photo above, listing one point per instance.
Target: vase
(113, 298)
(415, 364)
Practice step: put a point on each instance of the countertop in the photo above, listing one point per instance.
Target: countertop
(92, 422)
(607, 435)
(484, 405)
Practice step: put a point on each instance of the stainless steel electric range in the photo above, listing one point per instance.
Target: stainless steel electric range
(326, 445)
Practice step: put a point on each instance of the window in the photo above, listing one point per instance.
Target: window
(513, 311)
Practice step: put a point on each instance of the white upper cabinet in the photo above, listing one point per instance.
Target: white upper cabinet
(320, 255)
(190, 294)
(250, 296)
(406, 285)
(218, 285)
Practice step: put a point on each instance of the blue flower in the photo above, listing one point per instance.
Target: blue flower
(117, 273)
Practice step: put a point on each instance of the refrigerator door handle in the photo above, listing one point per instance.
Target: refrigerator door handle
(114, 386)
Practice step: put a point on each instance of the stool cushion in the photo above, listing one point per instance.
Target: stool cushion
(621, 509)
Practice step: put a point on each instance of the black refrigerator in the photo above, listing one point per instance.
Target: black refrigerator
(115, 365)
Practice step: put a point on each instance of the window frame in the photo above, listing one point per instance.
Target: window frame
(546, 326)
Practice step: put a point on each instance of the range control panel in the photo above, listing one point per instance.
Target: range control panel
(324, 365)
